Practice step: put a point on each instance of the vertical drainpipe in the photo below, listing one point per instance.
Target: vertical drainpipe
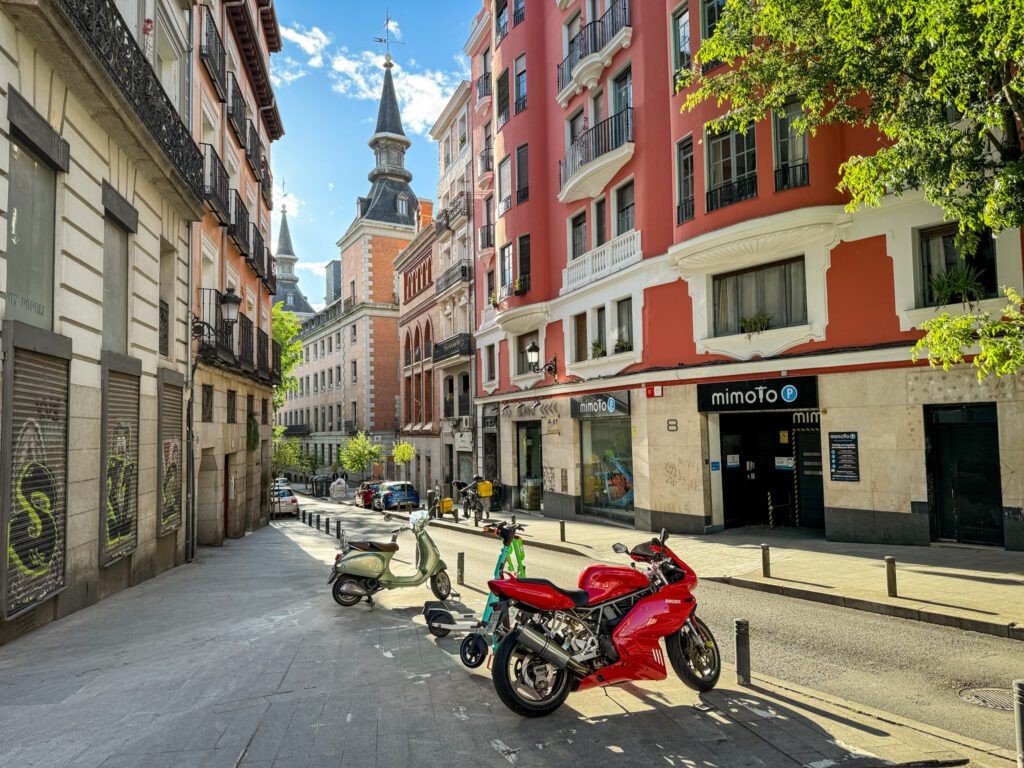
(190, 504)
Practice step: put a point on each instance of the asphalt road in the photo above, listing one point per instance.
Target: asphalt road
(909, 668)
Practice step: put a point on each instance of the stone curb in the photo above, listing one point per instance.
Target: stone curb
(1009, 630)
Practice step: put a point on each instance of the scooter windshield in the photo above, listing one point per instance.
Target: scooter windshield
(418, 519)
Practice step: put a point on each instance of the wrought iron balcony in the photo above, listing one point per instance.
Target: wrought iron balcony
(245, 354)
(165, 321)
(684, 211)
(211, 52)
(441, 222)
(586, 42)
(253, 148)
(743, 188)
(459, 345)
(238, 229)
(486, 236)
(257, 256)
(503, 116)
(275, 363)
(791, 176)
(592, 49)
(465, 402)
(262, 354)
(486, 161)
(501, 32)
(448, 407)
(267, 184)
(522, 194)
(458, 273)
(483, 86)
(518, 16)
(216, 340)
(215, 184)
(351, 427)
(458, 208)
(236, 107)
(271, 279)
(592, 159)
(520, 104)
(112, 44)
(504, 204)
(348, 303)
(296, 430)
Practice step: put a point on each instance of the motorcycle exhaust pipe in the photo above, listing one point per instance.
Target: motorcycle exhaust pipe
(549, 651)
(348, 588)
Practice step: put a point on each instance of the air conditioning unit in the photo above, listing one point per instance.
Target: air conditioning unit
(465, 423)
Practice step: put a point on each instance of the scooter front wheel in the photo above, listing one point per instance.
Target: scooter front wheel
(341, 597)
(441, 585)
(473, 650)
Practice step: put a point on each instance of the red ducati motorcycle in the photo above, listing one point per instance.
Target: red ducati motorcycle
(608, 631)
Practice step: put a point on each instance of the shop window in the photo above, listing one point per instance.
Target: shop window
(581, 348)
(606, 450)
(32, 190)
(754, 300)
(522, 342)
(624, 325)
(949, 275)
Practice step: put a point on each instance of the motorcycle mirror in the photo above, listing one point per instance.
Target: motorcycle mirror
(664, 536)
(620, 548)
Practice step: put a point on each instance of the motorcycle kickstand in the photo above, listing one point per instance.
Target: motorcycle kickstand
(369, 599)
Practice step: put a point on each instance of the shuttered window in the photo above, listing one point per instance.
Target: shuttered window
(170, 459)
(120, 511)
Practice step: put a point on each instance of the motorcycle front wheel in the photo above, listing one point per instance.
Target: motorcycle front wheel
(525, 683)
(343, 598)
(696, 660)
(441, 585)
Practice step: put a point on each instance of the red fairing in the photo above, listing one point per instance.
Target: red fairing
(606, 582)
(538, 596)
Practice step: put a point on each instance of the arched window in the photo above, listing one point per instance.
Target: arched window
(403, 205)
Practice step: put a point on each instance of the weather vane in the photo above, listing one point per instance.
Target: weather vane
(387, 35)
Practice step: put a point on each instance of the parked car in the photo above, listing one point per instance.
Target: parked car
(396, 494)
(283, 502)
(365, 493)
(280, 483)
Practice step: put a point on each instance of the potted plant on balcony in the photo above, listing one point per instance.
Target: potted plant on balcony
(597, 350)
(755, 324)
(623, 345)
(493, 299)
(519, 286)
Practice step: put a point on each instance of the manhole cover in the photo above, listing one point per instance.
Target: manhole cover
(993, 698)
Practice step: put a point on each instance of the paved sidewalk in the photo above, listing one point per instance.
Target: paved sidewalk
(979, 589)
(243, 660)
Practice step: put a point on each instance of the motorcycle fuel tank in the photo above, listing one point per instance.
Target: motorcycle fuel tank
(368, 564)
(607, 582)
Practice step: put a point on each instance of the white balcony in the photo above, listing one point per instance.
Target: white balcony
(607, 259)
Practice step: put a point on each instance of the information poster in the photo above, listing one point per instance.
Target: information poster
(843, 457)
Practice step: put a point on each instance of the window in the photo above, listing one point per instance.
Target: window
(522, 342)
(600, 222)
(32, 195)
(624, 325)
(354, 372)
(264, 410)
(578, 229)
(944, 270)
(732, 168)
(711, 14)
(337, 375)
(600, 344)
(518, 12)
(353, 412)
(490, 284)
(321, 347)
(524, 257)
(490, 368)
(681, 39)
(505, 264)
(352, 333)
(624, 208)
(755, 300)
(504, 185)
(684, 169)
(597, 107)
(302, 388)
(250, 405)
(500, 20)
(520, 84)
(323, 380)
(232, 407)
(580, 348)
(623, 90)
(502, 97)
(790, 149)
(522, 173)
(330, 342)
(316, 383)
(207, 402)
(115, 286)
(577, 127)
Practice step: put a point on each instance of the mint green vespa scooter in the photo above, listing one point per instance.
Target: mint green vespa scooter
(363, 568)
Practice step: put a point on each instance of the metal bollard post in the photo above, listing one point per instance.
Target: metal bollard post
(327, 526)
(460, 568)
(337, 532)
(890, 575)
(561, 530)
(430, 502)
(302, 515)
(1018, 719)
(742, 652)
(318, 521)
(766, 561)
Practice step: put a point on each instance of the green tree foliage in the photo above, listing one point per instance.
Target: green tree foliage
(403, 452)
(285, 330)
(287, 452)
(359, 453)
(938, 82)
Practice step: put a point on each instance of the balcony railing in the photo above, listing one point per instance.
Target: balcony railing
(503, 116)
(613, 256)
(271, 278)
(350, 428)
(348, 303)
(267, 184)
(461, 272)
(791, 176)
(211, 52)
(743, 188)
(275, 363)
(254, 148)
(518, 16)
(245, 354)
(684, 211)
(458, 345)
(458, 208)
(504, 204)
(165, 335)
(604, 137)
(215, 184)
(296, 430)
(258, 251)
(262, 353)
(236, 107)
(522, 194)
(520, 104)
(486, 236)
(486, 162)
(501, 32)
(216, 338)
(506, 290)
(448, 407)
(441, 222)
(465, 400)
(238, 229)
(483, 86)
(586, 42)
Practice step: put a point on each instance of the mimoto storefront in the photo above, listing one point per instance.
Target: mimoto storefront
(606, 454)
(768, 467)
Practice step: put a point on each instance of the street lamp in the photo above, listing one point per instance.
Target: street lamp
(533, 359)
(229, 306)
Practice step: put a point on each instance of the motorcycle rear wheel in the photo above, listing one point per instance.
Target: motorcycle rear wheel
(512, 662)
(342, 598)
(698, 664)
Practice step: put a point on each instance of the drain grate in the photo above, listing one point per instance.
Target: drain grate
(993, 698)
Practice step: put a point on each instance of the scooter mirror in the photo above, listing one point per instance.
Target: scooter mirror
(620, 548)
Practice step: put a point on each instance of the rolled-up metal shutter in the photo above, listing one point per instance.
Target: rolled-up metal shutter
(169, 513)
(121, 474)
(37, 497)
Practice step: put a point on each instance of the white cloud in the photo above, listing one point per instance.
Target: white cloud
(285, 71)
(330, 186)
(421, 94)
(311, 266)
(311, 41)
(392, 26)
(289, 199)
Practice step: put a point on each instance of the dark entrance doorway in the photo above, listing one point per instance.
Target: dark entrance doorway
(771, 471)
(530, 464)
(965, 491)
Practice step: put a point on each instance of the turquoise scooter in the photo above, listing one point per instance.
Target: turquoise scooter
(363, 568)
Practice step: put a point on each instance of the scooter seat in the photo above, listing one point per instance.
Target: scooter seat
(374, 546)
(578, 596)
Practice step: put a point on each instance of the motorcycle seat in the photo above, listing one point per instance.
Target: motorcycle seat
(578, 596)
(374, 546)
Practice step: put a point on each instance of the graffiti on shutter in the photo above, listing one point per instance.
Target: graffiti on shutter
(121, 475)
(37, 521)
(170, 459)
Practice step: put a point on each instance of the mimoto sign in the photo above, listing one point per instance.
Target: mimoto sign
(789, 393)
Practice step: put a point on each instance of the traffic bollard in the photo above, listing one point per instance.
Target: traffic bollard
(742, 652)
(303, 515)
(309, 519)
(890, 575)
(766, 561)
(1018, 719)
(430, 504)
(318, 521)
(327, 526)
(460, 568)
(337, 532)
(561, 530)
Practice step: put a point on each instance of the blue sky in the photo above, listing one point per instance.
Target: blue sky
(327, 79)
